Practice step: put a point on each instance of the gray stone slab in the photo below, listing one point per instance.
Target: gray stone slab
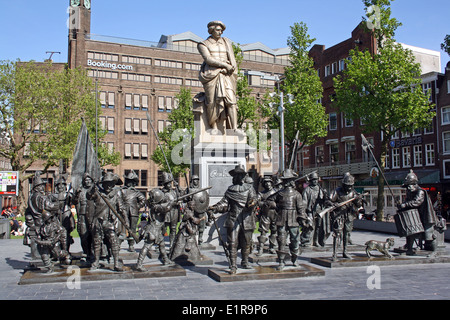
(361, 260)
(265, 273)
(39, 276)
(185, 261)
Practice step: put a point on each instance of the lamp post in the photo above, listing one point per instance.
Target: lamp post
(281, 110)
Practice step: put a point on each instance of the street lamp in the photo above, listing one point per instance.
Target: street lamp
(281, 110)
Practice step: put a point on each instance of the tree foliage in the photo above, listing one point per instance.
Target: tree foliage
(176, 138)
(306, 116)
(383, 89)
(446, 44)
(41, 107)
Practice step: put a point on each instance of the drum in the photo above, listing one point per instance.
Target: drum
(408, 223)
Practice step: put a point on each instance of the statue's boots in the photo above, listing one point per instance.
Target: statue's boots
(131, 243)
(245, 253)
(335, 245)
(48, 264)
(97, 252)
(409, 246)
(345, 254)
(272, 243)
(281, 257)
(233, 258)
(163, 254)
(261, 240)
(141, 258)
(117, 263)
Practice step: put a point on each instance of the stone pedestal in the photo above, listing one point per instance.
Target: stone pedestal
(265, 273)
(215, 153)
(361, 260)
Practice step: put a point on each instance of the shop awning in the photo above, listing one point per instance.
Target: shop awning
(396, 178)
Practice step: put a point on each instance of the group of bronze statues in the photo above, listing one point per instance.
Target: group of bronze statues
(108, 212)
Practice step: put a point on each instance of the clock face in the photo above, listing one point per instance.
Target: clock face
(75, 3)
(87, 4)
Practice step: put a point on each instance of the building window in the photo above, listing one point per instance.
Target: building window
(144, 178)
(429, 154)
(319, 155)
(144, 151)
(161, 103)
(144, 126)
(448, 86)
(127, 154)
(136, 102)
(327, 71)
(333, 121)
(334, 68)
(406, 157)
(395, 158)
(445, 111)
(160, 126)
(342, 65)
(128, 101)
(128, 128)
(429, 129)
(136, 126)
(348, 122)
(334, 153)
(418, 156)
(350, 151)
(193, 66)
(144, 102)
(427, 90)
(446, 165)
(386, 161)
(446, 141)
(136, 154)
(110, 125)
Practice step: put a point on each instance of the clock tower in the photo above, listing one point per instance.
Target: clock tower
(79, 25)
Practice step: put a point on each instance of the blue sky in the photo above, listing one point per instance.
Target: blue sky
(30, 28)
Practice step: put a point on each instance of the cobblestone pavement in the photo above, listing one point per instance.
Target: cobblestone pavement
(410, 282)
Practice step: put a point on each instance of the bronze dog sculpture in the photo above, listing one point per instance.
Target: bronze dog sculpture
(382, 247)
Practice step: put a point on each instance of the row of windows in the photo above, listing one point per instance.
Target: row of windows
(136, 151)
(411, 156)
(348, 123)
(333, 68)
(138, 101)
(400, 157)
(132, 125)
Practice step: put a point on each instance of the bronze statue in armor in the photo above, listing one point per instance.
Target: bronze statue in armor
(153, 230)
(106, 225)
(267, 216)
(342, 217)
(315, 198)
(133, 201)
(238, 203)
(290, 217)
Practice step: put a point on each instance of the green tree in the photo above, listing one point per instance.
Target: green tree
(176, 138)
(446, 44)
(41, 107)
(248, 111)
(383, 89)
(305, 117)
